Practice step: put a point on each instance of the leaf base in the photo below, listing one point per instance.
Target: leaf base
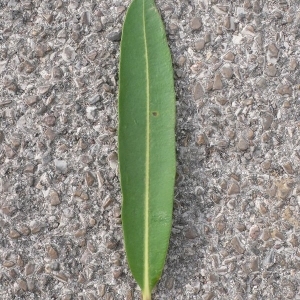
(146, 296)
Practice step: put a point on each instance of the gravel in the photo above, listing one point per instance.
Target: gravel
(236, 222)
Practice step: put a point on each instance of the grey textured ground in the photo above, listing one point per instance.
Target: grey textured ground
(236, 214)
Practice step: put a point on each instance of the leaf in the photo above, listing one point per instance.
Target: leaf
(146, 142)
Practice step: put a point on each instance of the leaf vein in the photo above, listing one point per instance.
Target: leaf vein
(147, 166)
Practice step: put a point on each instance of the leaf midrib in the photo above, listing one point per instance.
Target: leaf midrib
(146, 291)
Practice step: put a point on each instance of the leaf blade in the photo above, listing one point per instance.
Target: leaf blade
(146, 142)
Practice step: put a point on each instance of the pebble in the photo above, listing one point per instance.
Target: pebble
(68, 54)
(220, 10)
(50, 134)
(114, 36)
(287, 104)
(94, 99)
(288, 167)
(227, 71)
(199, 44)
(237, 245)
(31, 100)
(250, 134)
(12, 274)
(87, 159)
(129, 295)
(231, 204)
(213, 277)
(57, 73)
(117, 272)
(14, 234)
(85, 18)
(284, 89)
(101, 290)
(229, 56)
(67, 297)
(22, 284)
(262, 207)
(293, 240)
(293, 63)
(89, 178)
(9, 152)
(92, 222)
(198, 91)
(41, 50)
(15, 142)
(61, 166)
(202, 139)
(30, 284)
(91, 247)
(266, 137)
(109, 296)
(181, 60)
(262, 83)
(91, 112)
(277, 234)
(85, 259)
(284, 188)
(35, 226)
(267, 121)
(113, 157)
(82, 145)
(25, 230)
(61, 277)
(111, 243)
(217, 85)
(81, 194)
(266, 165)
(208, 296)
(92, 56)
(81, 278)
(29, 269)
(273, 50)
(256, 7)
(44, 89)
(271, 70)
(243, 144)
(191, 233)
(52, 253)
(54, 198)
(196, 23)
(8, 264)
(20, 261)
(42, 109)
(26, 67)
(220, 226)
(80, 232)
(241, 227)
(107, 202)
(233, 189)
(254, 232)
(50, 120)
(91, 296)
(117, 212)
(48, 18)
(254, 264)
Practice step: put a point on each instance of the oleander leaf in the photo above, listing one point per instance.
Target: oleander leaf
(146, 142)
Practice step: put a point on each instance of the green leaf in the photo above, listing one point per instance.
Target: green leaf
(146, 142)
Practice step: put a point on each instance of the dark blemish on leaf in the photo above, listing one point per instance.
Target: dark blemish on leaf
(154, 113)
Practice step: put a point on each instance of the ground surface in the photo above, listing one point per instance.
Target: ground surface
(237, 205)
